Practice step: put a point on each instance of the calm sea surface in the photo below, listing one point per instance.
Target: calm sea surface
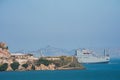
(110, 71)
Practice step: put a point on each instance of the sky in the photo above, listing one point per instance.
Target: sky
(68, 24)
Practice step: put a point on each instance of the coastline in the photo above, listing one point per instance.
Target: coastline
(26, 62)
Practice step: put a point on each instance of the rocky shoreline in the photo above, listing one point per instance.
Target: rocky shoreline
(26, 62)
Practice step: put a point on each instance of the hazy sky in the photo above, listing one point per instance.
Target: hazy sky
(69, 24)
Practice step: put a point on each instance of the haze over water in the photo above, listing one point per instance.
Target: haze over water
(69, 24)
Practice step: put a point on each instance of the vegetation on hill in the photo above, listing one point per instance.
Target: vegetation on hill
(25, 65)
(65, 62)
(14, 65)
(33, 67)
(43, 61)
(4, 67)
(70, 63)
(62, 62)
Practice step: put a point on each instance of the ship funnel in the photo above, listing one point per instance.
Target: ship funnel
(106, 54)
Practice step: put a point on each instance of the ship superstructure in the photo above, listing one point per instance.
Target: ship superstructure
(87, 56)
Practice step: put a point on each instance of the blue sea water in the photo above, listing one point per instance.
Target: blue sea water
(110, 71)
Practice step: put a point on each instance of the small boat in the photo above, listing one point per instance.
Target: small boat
(87, 56)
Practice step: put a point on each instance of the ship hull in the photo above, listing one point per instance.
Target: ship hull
(86, 56)
(105, 62)
(93, 61)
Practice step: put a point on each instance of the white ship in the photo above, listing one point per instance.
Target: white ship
(87, 56)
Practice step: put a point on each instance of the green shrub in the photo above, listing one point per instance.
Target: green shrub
(43, 61)
(14, 65)
(4, 67)
(25, 65)
(33, 67)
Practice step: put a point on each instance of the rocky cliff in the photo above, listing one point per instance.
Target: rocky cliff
(4, 52)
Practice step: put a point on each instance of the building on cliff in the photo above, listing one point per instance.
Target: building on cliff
(23, 58)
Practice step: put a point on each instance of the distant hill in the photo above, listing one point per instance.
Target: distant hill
(115, 53)
(53, 51)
